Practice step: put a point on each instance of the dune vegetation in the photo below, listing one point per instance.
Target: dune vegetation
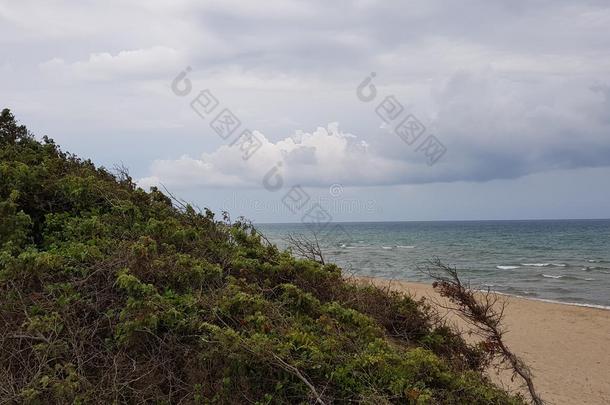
(112, 294)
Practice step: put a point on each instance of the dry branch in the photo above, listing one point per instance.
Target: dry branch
(307, 247)
(485, 312)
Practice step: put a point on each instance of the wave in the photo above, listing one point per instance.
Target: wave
(387, 247)
(536, 264)
(507, 267)
(405, 246)
(567, 277)
(492, 285)
(344, 246)
(602, 270)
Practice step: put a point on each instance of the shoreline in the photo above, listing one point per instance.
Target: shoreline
(548, 301)
(567, 346)
(521, 297)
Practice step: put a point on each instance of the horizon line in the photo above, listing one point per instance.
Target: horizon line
(443, 220)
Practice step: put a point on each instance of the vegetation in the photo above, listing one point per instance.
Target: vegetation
(110, 294)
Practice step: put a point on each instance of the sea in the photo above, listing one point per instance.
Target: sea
(566, 261)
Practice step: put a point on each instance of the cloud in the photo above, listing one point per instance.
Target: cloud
(322, 157)
(510, 87)
(499, 126)
(104, 66)
(494, 127)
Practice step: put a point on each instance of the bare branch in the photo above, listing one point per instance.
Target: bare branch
(307, 247)
(121, 172)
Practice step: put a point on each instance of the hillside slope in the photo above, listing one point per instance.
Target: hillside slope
(111, 294)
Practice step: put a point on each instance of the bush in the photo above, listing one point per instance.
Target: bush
(112, 294)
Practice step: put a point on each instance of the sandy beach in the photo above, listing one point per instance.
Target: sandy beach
(567, 346)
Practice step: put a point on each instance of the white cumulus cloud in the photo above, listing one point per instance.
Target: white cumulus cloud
(324, 156)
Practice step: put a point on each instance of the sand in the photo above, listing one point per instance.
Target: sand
(566, 346)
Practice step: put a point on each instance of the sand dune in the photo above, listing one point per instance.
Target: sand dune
(567, 347)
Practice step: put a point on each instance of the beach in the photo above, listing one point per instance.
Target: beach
(566, 346)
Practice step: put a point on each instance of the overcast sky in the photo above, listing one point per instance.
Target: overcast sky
(515, 93)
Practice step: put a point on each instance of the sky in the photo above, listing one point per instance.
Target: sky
(369, 110)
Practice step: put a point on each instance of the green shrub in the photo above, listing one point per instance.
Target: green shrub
(110, 294)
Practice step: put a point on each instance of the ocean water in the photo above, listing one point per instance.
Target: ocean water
(560, 260)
